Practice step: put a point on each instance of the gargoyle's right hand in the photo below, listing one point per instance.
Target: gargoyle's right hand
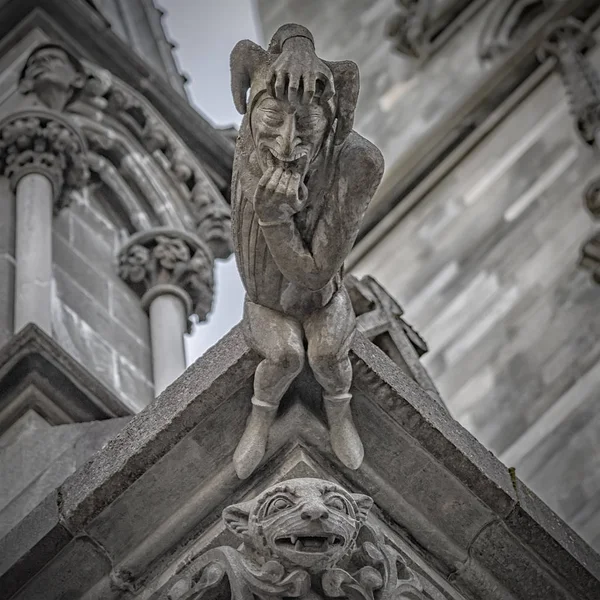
(277, 196)
(298, 71)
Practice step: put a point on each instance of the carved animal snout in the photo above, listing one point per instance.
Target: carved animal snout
(315, 511)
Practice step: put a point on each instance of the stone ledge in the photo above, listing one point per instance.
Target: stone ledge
(433, 483)
(36, 373)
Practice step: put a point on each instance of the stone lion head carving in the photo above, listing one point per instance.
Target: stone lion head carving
(307, 523)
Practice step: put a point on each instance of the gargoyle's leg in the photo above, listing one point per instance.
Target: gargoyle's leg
(280, 340)
(329, 334)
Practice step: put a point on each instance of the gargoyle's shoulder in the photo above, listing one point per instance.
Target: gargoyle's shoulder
(359, 153)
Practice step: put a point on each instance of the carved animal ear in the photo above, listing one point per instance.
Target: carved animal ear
(347, 84)
(236, 518)
(245, 57)
(364, 504)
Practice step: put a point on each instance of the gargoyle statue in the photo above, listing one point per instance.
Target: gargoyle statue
(302, 180)
(302, 538)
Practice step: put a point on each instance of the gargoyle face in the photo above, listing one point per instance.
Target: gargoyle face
(308, 523)
(288, 134)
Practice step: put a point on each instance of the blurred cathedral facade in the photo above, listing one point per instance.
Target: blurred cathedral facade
(483, 228)
(115, 204)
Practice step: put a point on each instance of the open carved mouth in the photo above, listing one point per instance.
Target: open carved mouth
(291, 162)
(310, 543)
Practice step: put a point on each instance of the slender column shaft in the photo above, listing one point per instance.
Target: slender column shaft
(167, 327)
(33, 276)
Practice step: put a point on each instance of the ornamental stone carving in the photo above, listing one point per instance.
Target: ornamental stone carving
(567, 41)
(53, 75)
(592, 198)
(408, 28)
(169, 261)
(302, 181)
(509, 23)
(302, 538)
(590, 257)
(42, 141)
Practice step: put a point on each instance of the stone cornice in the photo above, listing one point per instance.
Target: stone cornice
(85, 33)
(60, 389)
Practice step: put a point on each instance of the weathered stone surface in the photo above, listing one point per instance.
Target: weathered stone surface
(297, 532)
(7, 299)
(431, 480)
(301, 174)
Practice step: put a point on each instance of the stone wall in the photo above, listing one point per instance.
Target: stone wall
(95, 316)
(486, 268)
(485, 264)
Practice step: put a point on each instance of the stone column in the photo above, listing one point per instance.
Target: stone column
(172, 272)
(44, 158)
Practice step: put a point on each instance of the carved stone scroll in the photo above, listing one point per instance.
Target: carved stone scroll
(157, 260)
(302, 538)
(302, 181)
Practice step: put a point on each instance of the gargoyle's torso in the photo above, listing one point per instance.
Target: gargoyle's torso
(262, 278)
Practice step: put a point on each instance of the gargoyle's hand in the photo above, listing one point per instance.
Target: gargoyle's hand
(298, 71)
(277, 197)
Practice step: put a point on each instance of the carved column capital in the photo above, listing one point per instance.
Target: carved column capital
(164, 261)
(567, 41)
(44, 142)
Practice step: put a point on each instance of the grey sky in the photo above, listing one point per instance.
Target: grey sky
(205, 32)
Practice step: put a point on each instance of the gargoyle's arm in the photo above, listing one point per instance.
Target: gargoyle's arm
(314, 264)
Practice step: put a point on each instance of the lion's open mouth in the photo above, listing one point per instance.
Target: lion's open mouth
(310, 543)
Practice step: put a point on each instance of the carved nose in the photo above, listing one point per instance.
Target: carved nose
(314, 512)
(288, 140)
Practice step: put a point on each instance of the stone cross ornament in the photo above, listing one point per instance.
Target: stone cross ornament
(302, 538)
(302, 180)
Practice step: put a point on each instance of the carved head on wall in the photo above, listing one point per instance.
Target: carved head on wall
(54, 75)
(308, 523)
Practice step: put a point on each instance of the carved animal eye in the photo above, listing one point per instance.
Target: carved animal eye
(278, 504)
(337, 503)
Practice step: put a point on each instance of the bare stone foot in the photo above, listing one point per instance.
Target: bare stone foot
(345, 440)
(251, 448)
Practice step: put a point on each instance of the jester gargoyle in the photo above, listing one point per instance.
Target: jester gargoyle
(302, 181)
(302, 538)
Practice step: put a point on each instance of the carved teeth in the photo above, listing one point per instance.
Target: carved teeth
(298, 546)
(294, 539)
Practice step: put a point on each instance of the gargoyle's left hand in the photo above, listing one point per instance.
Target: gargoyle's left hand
(298, 71)
(277, 196)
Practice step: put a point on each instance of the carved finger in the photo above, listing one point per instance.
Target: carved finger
(264, 180)
(274, 181)
(309, 89)
(293, 85)
(293, 190)
(279, 87)
(327, 81)
(283, 184)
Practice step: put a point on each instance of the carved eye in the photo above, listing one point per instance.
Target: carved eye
(278, 504)
(337, 503)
